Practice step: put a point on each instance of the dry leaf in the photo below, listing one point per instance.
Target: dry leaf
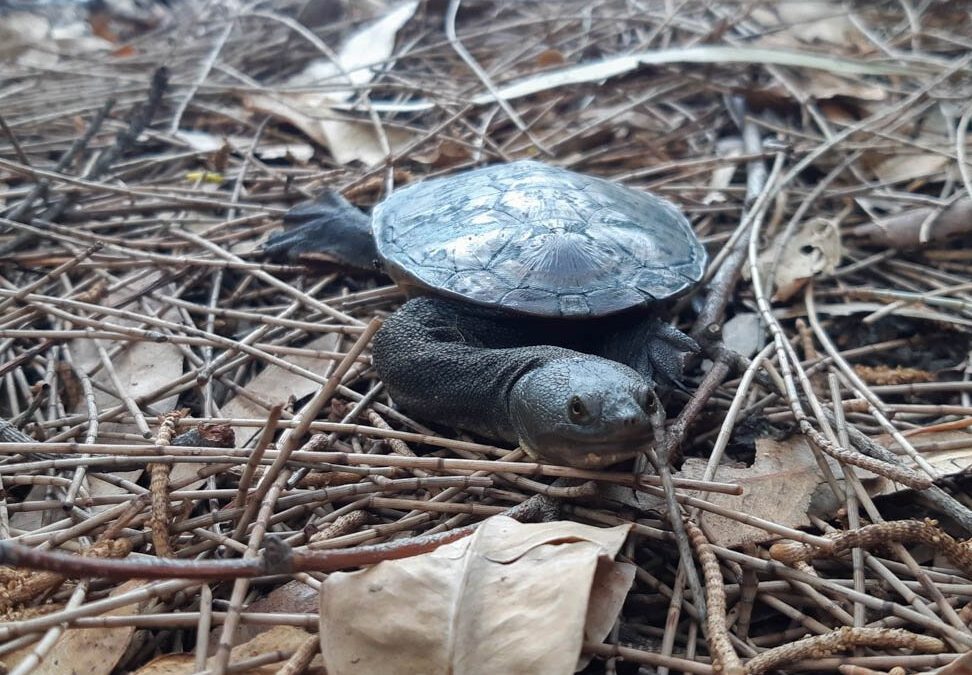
(364, 50)
(480, 604)
(275, 385)
(814, 249)
(948, 451)
(203, 141)
(142, 368)
(960, 666)
(348, 140)
(550, 57)
(722, 175)
(778, 487)
(92, 651)
(294, 597)
(443, 155)
(21, 31)
(905, 228)
(284, 639)
(905, 167)
(744, 333)
(791, 24)
(822, 85)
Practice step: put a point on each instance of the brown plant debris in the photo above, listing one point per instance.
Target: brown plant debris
(843, 639)
(165, 389)
(877, 535)
(897, 375)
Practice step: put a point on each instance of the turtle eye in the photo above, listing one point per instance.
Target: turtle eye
(578, 411)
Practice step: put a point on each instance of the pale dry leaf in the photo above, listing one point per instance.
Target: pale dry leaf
(169, 664)
(905, 167)
(92, 651)
(203, 141)
(29, 521)
(283, 639)
(34, 40)
(814, 249)
(348, 140)
(477, 605)
(142, 367)
(948, 451)
(778, 487)
(360, 54)
(792, 24)
(21, 31)
(275, 385)
(744, 333)
(822, 85)
(722, 175)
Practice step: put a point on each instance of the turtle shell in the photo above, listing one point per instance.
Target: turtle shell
(538, 240)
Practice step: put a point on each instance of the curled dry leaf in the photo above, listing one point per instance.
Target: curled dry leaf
(814, 249)
(313, 113)
(294, 597)
(797, 25)
(480, 604)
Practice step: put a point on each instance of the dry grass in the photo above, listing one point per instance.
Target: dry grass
(130, 288)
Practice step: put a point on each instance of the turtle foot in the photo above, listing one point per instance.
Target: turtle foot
(329, 229)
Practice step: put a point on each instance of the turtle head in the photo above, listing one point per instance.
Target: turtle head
(583, 411)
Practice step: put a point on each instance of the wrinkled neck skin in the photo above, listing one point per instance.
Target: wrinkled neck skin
(486, 374)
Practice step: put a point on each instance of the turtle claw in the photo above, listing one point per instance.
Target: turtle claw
(665, 349)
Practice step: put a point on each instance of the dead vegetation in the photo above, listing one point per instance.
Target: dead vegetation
(172, 394)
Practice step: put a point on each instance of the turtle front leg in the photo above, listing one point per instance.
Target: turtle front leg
(328, 228)
(650, 346)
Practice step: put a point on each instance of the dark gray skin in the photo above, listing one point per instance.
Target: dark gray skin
(574, 392)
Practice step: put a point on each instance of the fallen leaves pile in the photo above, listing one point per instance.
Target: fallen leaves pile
(168, 393)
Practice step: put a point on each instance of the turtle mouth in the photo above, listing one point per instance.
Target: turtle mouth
(591, 452)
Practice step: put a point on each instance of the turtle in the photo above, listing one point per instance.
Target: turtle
(534, 300)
